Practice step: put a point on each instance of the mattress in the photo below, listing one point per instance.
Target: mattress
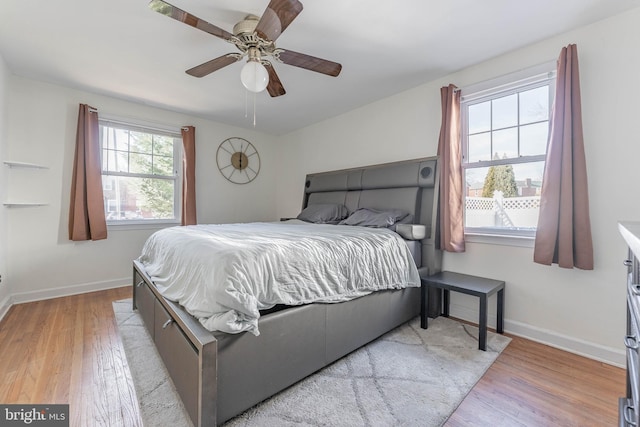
(224, 274)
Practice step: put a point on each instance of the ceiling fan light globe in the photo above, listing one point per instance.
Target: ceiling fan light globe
(254, 76)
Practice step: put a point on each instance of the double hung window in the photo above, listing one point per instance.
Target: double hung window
(140, 173)
(505, 128)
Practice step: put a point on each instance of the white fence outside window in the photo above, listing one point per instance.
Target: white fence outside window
(521, 212)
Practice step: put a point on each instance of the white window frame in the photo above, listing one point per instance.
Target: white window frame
(541, 75)
(155, 129)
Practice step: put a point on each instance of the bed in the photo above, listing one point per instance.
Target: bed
(219, 375)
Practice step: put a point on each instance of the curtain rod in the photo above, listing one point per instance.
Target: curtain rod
(119, 121)
(477, 93)
(134, 123)
(530, 75)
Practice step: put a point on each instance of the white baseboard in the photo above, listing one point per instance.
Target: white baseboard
(5, 305)
(609, 355)
(23, 297)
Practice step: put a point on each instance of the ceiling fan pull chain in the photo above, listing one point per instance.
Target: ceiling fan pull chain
(254, 110)
(246, 104)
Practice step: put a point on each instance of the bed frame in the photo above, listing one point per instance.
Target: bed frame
(218, 375)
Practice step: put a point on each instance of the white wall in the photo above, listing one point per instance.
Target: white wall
(4, 284)
(583, 311)
(41, 128)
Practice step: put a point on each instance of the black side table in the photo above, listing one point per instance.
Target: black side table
(466, 284)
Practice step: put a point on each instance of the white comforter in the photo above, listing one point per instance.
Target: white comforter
(224, 274)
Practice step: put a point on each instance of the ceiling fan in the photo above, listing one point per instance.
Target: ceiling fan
(255, 38)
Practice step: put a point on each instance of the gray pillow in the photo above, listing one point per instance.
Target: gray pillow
(324, 213)
(366, 217)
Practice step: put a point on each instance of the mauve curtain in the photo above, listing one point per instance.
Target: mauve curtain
(564, 228)
(86, 211)
(189, 176)
(451, 182)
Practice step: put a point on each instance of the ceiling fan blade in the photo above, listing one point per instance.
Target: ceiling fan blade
(309, 62)
(213, 65)
(277, 17)
(274, 87)
(171, 11)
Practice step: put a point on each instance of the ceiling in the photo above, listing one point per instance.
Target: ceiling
(123, 49)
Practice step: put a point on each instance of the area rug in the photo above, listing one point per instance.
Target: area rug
(408, 377)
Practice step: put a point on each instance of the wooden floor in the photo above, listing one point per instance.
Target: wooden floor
(67, 350)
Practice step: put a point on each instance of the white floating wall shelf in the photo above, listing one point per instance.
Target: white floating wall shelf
(24, 165)
(23, 205)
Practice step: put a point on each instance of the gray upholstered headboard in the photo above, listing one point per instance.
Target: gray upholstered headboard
(410, 185)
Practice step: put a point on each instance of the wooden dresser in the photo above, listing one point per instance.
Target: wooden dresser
(629, 406)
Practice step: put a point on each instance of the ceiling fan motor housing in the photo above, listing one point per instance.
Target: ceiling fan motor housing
(245, 30)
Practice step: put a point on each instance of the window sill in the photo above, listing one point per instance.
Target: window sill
(140, 225)
(500, 239)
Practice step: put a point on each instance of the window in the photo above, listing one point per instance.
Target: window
(140, 173)
(505, 128)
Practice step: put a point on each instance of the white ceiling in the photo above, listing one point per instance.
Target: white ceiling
(124, 49)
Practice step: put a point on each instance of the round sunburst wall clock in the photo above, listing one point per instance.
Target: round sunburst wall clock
(238, 160)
